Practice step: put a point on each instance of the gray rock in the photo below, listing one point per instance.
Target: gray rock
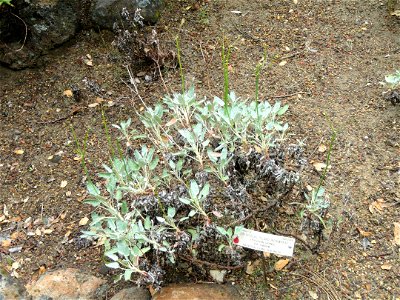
(133, 293)
(11, 288)
(105, 13)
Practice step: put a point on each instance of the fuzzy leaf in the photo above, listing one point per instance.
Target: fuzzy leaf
(154, 163)
(205, 190)
(185, 201)
(194, 188)
(160, 219)
(282, 110)
(92, 189)
(188, 136)
(92, 202)
(113, 265)
(221, 230)
(147, 223)
(128, 274)
(171, 212)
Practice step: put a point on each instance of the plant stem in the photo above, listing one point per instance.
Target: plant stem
(178, 51)
(225, 64)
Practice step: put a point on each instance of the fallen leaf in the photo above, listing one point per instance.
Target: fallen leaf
(364, 233)
(386, 266)
(15, 235)
(171, 122)
(19, 151)
(5, 211)
(42, 270)
(28, 222)
(93, 105)
(280, 264)
(313, 295)
(397, 233)
(368, 287)
(322, 148)
(282, 63)
(68, 93)
(266, 254)
(252, 266)
(15, 265)
(63, 184)
(99, 100)
(88, 60)
(47, 231)
(378, 206)
(217, 214)
(38, 232)
(6, 243)
(68, 193)
(319, 166)
(83, 221)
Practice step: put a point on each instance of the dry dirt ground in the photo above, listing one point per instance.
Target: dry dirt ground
(327, 61)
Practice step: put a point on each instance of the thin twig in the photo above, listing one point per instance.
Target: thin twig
(290, 55)
(263, 263)
(318, 284)
(213, 265)
(248, 35)
(312, 249)
(26, 32)
(159, 68)
(72, 113)
(289, 95)
(254, 213)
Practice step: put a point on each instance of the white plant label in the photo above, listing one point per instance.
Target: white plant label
(265, 242)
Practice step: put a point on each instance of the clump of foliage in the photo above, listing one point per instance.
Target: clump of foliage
(189, 179)
(203, 166)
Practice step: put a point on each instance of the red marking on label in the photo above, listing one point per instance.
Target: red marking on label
(236, 240)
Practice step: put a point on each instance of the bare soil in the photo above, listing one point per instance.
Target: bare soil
(327, 60)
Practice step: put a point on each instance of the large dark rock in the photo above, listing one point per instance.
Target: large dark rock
(34, 27)
(105, 13)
